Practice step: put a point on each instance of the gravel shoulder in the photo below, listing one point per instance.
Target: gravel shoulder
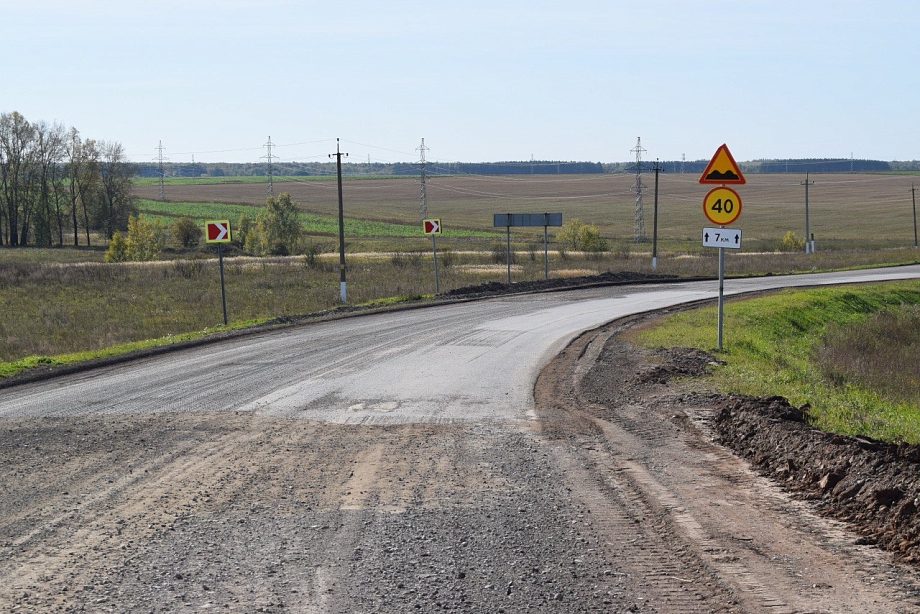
(616, 497)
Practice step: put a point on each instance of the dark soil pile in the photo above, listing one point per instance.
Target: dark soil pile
(872, 485)
(561, 283)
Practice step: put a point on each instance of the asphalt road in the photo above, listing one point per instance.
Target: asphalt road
(468, 362)
(407, 461)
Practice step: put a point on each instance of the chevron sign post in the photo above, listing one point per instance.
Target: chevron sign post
(219, 232)
(433, 228)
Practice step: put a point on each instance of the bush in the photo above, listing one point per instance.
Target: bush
(578, 236)
(186, 232)
(791, 243)
(277, 230)
(144, 241)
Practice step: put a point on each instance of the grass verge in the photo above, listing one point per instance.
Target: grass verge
(771, 347)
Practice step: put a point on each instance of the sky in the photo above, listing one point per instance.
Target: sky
(479, 80)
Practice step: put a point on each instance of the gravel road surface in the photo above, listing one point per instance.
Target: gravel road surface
(408, 462)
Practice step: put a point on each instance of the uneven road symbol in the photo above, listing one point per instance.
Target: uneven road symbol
(722, 168)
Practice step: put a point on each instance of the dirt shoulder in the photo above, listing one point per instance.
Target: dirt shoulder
(765, 530)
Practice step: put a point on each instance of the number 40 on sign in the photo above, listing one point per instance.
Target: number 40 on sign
(722, 206)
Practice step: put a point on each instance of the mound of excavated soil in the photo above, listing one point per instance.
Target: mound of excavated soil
(872, 485)
(560, 283)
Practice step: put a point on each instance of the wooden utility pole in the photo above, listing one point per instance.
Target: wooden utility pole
(338, 166)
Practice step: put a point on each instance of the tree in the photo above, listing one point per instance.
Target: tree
(278, 230)
(186, 232)
(48, 216)
(82, 159)
(115, 206)
(16, 153)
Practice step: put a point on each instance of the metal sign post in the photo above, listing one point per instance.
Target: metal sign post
(722, 206)
(507, 220)
(219, 232)
(722, 238)
(433, 228)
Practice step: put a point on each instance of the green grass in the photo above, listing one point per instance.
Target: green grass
(15, 366)
(249, 179)
(770, 348)
(166, 212)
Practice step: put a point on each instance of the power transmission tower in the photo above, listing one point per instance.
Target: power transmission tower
(639, 230)
(162, 193)
(271, 186)
(423, 198)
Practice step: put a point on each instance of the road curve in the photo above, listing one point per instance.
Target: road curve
(468, 362)
(402, 462)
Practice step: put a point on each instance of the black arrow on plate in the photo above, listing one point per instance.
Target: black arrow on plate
(706, 237)
(737, 239)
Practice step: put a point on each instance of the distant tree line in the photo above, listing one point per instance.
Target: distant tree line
(535, 167)
(56, 186)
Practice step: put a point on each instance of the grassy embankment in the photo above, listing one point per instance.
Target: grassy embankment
(848, 352)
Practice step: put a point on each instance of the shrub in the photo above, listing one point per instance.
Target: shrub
(578, 236)
(186, 232)
(144, 241)
(791, 243)
(277, 230)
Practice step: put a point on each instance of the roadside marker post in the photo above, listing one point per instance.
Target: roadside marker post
(722, 206)
(433, 227)
(219, 232)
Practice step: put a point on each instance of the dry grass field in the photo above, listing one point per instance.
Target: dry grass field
(846, 210)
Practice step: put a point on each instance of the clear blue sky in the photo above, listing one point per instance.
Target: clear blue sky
(479, 80)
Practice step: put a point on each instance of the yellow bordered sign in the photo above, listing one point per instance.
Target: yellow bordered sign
(722, 206)
(217, 231)
(431, 227)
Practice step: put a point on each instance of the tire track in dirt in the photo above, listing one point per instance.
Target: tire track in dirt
(653, 448)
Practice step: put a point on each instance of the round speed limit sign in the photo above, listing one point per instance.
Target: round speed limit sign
(722, 206)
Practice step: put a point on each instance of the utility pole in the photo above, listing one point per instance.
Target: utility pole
(639, 229)
(271, 187)
(423, 198)
(913, 201)
(162, 193)
(338, 165)
(807, 183)
(657, 169)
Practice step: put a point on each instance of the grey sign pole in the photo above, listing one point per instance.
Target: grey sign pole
(721, 291)
(434, 252)
(528, 219)
(223, 292)
(508, 252)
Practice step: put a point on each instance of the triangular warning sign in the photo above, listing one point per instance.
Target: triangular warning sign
(722, 168)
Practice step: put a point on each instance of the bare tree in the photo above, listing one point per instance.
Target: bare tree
(49, 149)
(115, 204)
(83, 179)
(16, 140)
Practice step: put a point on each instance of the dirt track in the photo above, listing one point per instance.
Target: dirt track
(614, 499)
